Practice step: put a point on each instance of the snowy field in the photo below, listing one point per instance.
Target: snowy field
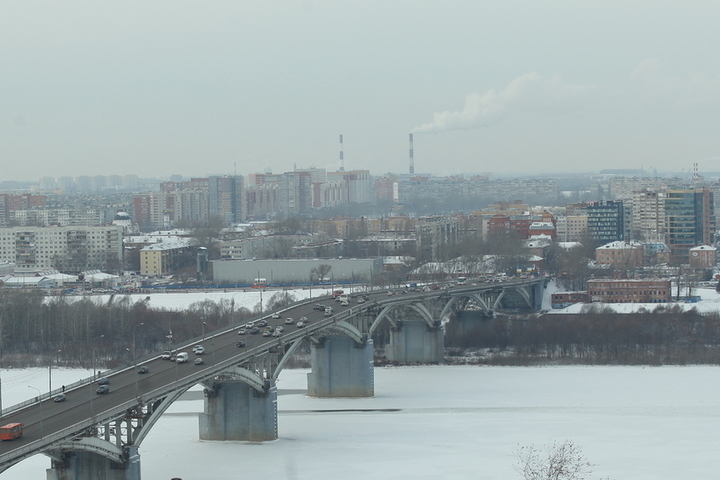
(709, 302)
(181, 300)
(710, 299)
(445, 422)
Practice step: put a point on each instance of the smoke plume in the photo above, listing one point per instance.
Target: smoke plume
(529, 92)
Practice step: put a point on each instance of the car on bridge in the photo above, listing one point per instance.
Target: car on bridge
(103, 389)
(199, 350)
(60, 397)
(103, 381)
(240, 344)
(142, 370)
(166, 355)
(242, 331)
(275, 315)
(289, 321)
(198, 361)
(300, 324)
(182, 357)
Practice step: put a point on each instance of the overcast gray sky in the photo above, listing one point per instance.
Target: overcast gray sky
(189, 87)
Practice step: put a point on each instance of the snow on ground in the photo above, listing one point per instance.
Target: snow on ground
(182, 300)
(446, 422)
(709, 302)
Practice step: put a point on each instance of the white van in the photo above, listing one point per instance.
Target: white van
(182, 357)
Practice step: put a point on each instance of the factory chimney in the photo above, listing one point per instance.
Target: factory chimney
(412, 156)
(342, 155)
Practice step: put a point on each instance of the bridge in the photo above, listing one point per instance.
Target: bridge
(96, 437)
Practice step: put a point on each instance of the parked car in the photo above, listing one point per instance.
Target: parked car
(240, 344)
(103, 381)
(60, 397)
(143, 369)
(102, 389)
(198, 361)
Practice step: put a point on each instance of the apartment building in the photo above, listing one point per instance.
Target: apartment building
(69, 249)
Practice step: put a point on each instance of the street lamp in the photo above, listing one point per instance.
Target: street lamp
(57, 359)
(203, 331)
(133, 338)
(94, 360)
(42, 428)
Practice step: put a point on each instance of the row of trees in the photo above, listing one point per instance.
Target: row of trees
(33, 328)
(666, 335)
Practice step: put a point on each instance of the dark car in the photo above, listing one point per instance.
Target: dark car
(254, 331)
(240, 344)
(143, 369)
(103, 381)
(60, 397)
(102, 389)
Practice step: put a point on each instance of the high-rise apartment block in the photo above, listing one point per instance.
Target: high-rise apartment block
(690, 220)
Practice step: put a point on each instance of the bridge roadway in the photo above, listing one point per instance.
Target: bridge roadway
(47, 422)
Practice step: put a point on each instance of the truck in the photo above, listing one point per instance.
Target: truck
(11, 431)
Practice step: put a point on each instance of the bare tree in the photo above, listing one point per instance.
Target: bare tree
(563, 461)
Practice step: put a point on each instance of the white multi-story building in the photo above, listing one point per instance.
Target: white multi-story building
(648, 216)
(64, 248)
(571, 228)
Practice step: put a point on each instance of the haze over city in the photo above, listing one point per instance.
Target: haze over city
(94, 88)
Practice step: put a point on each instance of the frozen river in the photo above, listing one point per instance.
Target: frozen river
(445, 422)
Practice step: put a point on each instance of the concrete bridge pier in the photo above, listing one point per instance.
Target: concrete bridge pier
(236, 411)
(467, 320)
(85, 465)
(415, 341)
(341, 368)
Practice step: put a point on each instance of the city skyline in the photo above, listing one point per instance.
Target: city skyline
(503, 87)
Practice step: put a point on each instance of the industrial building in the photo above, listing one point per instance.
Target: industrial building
(295, 271)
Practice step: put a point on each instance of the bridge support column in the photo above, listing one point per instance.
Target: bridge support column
(416, 342)
(341, 368)
(236, 411)
(81, 465)
(468, 320)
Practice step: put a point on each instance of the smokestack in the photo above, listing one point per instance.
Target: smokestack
(342, 155)
(412, 156)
